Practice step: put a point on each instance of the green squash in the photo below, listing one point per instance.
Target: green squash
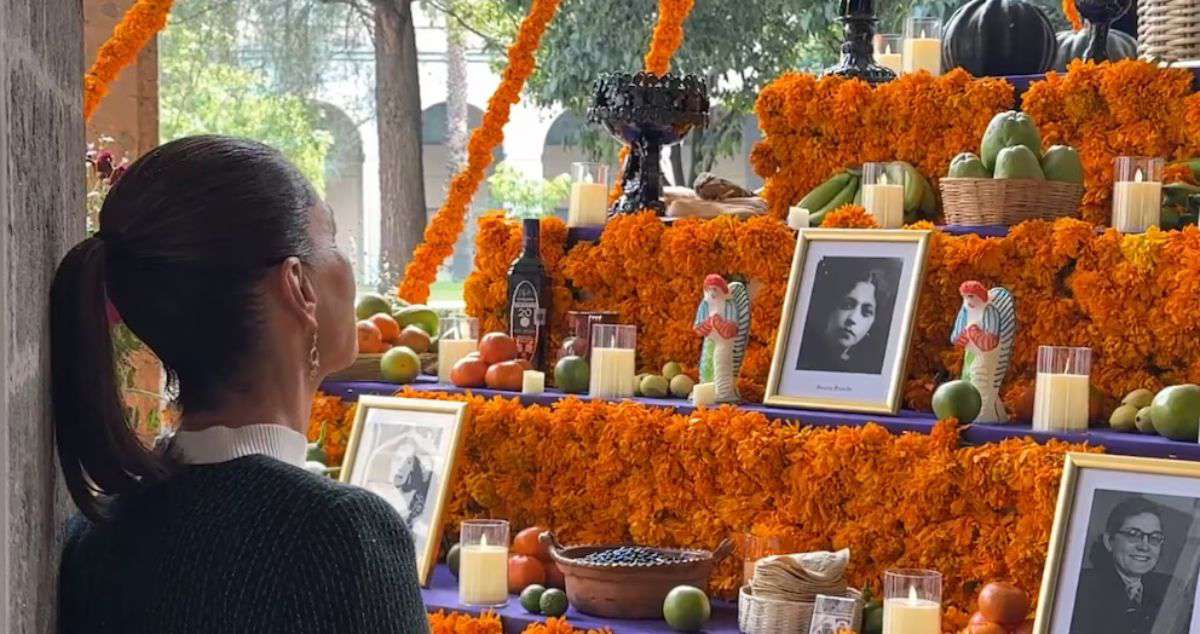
(1007, 129)
(1018, 161)
(968, 165)
(1061, 163)
(1073, 45)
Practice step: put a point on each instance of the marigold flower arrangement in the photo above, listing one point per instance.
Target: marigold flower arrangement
(446, 225)
(488, 623)
(1111, 109)
(139, 24)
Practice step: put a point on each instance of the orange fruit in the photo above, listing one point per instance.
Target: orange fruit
(528, 543)
(1024, 628)
(389, 330)
(986, 627)
(369, 338)
(468, 372)
(524, 571)
(496, 347)
(1002, 602)
(505, 376)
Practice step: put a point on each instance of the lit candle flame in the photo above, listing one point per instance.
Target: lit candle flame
(887, 50)
(1137, 175)
(923, 34)
(483, 540)
(912, 593)
(883, 180)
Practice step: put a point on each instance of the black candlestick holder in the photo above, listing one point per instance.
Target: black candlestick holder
(858, 56)
(1100, 14)
(647, 112)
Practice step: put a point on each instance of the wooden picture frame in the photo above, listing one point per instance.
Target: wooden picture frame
(406, 450)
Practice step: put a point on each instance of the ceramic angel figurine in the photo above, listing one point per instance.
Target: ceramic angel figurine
(985, 327)
(723, 319)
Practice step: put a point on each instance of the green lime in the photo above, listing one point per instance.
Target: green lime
(571, 375)
(1139, 398)
(681, 386)
(1124, 418)
(420, 316)
(1144, 421)
(671, 370)
(370, 303)
(400, 365)
(553, 602)
(1176, 412)
(686, 609)
(957, 399)
(654, 386)
(531, 598)
(452, 556)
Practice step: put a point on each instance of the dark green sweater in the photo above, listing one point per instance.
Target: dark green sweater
(249, 545)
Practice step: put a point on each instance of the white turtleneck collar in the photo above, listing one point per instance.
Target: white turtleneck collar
(220, 444)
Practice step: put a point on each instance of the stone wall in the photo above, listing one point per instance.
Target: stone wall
(41, 213)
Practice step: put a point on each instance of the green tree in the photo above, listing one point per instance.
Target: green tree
(201, 90)
(526, 197)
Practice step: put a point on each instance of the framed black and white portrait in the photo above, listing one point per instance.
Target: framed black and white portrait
(847, 320)
(404, 450)
(1125, 549)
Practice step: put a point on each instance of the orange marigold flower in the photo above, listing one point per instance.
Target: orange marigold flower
(137, 27)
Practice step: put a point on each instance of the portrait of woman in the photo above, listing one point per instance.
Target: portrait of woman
(850, 315)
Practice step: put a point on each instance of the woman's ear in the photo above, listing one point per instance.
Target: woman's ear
(1107, 542)
(299, 294)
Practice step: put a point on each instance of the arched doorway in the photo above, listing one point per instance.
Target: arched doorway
(344, 181)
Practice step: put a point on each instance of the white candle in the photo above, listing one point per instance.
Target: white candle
(483, 574)
(1060, 402)
(798, 218)
(612, 372)
(890, 59)
(911, 615)
(588, 205)
(1137, 204)
(704, 394)
(449, 353)
(533, 382)
(923, 53)
(885, 201)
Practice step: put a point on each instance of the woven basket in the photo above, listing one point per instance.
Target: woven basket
(757, 615)
(365, 368)
(1007, 201)
(1169, 29)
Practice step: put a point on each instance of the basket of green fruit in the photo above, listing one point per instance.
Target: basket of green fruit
(625, 581)
(1012, 180)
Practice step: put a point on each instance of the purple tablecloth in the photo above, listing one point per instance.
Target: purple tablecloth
(442, 594)
(592, 234)
(1116, 442)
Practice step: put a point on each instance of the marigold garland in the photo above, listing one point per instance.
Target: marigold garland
(1072, 12)
(330, 422)
(139, 24)
(446, 225)
(488, 623)
(1111, 109)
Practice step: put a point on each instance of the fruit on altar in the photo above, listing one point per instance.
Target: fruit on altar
(469, 372)
(528, 543)
(1139, 398)
(1018, 162)
(986, 627)
(414, 338)
(957, 399)
(846, 187)
(1124, 418)
(1073, 45)
(400, 365)
(1024, 628)
(977, 618)
(1175, 412)
(369, 304)
(838, 190)
(572, 347)
(1003, 603)
(637, 383)
(553, 602)
(531, 598)
(506, 375)
(496, 347)
(418, 315)
(681, 386)
(1061, 163)
(654, 386)
(524, 571)
(370, 340)
(389, 330)
(994, 38)
(916, 189)
(1008, 129)
(571, 375)
(1144, 421)
(452, 559)
(686, 609)
(554, 576)
(968, 165)
(671, 369)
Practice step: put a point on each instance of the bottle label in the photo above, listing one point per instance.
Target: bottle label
(523, 323)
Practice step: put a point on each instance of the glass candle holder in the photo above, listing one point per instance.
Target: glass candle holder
(889, 49)
(588, 204)
(483, 563)
(754, 547)
(912, 602)
(1137, 193)
(1060, 399)
(613, 361)
(457, 337)
(883, 193)
(923, 45)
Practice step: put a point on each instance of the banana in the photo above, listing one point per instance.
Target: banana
(843, 197)
(823, 193)
(858, 197)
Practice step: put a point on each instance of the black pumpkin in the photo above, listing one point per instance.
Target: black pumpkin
(992, 38)
(1074, 44)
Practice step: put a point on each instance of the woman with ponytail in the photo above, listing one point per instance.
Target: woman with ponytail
(219, 255)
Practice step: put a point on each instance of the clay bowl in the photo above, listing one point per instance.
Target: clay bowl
(619, 591)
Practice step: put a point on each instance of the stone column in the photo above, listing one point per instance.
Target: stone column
(41, 211)
(129, 114)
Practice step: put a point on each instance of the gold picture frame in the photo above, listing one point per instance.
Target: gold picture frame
(892, 375)
(408, 428)
(1083, 481)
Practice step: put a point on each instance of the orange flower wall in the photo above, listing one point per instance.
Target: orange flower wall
(606, 472)
(815, 127)
(1132, 299)
(1125, 108)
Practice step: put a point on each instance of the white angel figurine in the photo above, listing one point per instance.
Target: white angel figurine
(985, 327)
(723, 319)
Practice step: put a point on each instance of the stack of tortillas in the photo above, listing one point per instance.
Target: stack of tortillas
(801, 577)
